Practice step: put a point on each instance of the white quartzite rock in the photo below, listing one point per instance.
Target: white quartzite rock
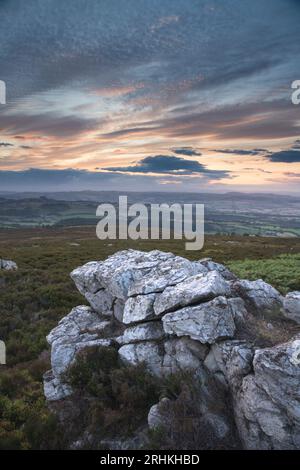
(81, 319)
(63, 354)
(158, 416)
(230, 361)
(291, 306)
(225, 272)
(150, 353)
(101, 301)
(85, 277)
(207, 322)
(80, 329)
(139, 308)
(8, 265)
(262, 296)
(142, 332)
(183, 354)
(194, 289)
(54, 389)
(132, 272)
(163, 358)
(268, 412)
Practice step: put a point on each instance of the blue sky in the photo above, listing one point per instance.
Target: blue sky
(185, 95)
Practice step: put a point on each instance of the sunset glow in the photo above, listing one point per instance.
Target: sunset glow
(176, 75)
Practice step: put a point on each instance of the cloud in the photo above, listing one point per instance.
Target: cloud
(170, 165)
(45, 179)
(128, 131)
(106, 39)
(242, 152)
(285, 156)
(296, 145)
(148, 75)
(6, 144)
(50, 124)
(188, 151)
(261, 170)
(251, 120)
(292, 174)
(68, 179)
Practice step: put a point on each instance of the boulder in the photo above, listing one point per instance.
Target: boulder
(54, 389)
(149, 353)
(220, 268)
(101, 301)
(86, 281)
(291, 306)
(81, 320)
(268, 413)
(131, 272)
(158, 414)
(8, 265)
(207, 322)
(63, 354)
(230, 361)
(86, 277)
(142, 332)
(259, 295)
(80, 329)
(183, 354)
(193, 290)
(164, 358)
(139, 308)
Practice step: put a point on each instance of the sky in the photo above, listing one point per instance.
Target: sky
(150, 95)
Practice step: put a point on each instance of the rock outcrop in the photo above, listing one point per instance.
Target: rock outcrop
(175, 315)
(8, 265)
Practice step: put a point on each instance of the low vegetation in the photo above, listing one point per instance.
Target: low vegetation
(117, 398)
(283, 271)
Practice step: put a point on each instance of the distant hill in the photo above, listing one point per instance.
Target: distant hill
(112, 196)
(238, 213)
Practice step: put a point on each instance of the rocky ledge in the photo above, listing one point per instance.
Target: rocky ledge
(239, 338)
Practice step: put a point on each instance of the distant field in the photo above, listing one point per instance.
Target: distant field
(40, 293)
(231, 213)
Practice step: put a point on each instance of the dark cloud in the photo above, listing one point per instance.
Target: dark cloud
(188, 151)
(128, 131)
(170, 165)
(292, 174)
(261, 170)
(242, 152)
(49, 124)
(296, 145)
(285, 156)
(35, 179)
(6, 144)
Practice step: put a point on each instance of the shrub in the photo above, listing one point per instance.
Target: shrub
(120, 396)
